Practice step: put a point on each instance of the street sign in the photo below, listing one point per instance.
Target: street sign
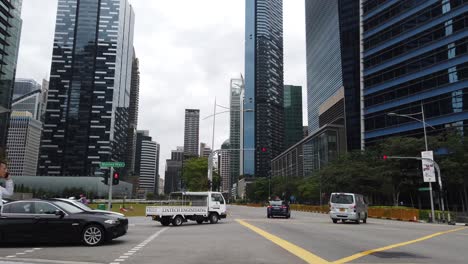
(424, 189)
(113, 164)
(428, 166)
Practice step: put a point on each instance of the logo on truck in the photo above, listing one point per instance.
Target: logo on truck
(183, 210)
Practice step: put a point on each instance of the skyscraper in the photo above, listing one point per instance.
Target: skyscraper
(27, 96)
(333, 84)
(191, 132)
(133, 117)
(292, 115)
(10, 24)
(205, 150)
(237, 86)
(414, 59)
(87, 115)
(146, 165)
(263, 128)
(225, 166)
(23, 141)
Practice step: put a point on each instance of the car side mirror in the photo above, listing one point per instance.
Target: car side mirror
(59, 213)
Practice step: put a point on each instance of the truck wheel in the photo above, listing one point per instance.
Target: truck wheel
(200, 221)
(165, 222)
(213, 218)
(177, 221)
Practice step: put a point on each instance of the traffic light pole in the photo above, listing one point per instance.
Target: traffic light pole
(109, 202)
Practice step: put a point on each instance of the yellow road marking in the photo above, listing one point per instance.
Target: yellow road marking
(298, 251)
(368, 252)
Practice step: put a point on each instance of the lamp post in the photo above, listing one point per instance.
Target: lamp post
(423, 121)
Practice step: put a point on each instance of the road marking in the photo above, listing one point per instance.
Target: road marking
(22, 253)
(296, 250)
(126, 255)
(48, 261)
(368, 252)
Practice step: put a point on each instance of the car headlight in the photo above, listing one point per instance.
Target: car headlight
(112, 222)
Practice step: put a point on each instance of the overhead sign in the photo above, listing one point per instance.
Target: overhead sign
(428, 166)
(113, 164)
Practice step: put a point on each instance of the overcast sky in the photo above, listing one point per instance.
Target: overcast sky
(188, 51)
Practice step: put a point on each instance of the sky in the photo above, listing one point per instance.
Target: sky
(188, 52)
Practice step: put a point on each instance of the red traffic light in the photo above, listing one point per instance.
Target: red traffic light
(385, 157)
(116, 175)
(264, 149)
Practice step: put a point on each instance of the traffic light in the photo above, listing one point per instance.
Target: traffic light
(115, 178)
(262, 149)
(105, 178)
(385, 157)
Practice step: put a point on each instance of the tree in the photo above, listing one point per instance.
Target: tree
(194, 174)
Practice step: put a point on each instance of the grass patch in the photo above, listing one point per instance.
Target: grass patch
(134, 209)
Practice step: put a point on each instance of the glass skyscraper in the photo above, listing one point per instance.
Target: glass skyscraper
(264, 126)
(332, 45)
(415, 57)
(87, 114)
(237, 85)
(10, 30)
(292, 115)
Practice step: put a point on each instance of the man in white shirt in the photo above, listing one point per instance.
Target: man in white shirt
(8, 189)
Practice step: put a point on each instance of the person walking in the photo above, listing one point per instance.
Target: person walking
(9, 187)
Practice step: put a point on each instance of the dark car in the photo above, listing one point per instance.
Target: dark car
(57, 221)
(278, 208)
(84, 207)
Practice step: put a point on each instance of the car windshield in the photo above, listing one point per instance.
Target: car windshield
(276, 202)
(68, 207)
(342, 199)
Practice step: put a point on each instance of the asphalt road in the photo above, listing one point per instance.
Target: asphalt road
(247, 236)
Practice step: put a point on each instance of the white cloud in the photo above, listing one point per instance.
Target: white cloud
(188, 50)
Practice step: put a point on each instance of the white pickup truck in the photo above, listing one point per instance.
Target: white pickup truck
(184, 206)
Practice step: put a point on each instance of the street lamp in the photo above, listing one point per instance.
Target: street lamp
(423, 121)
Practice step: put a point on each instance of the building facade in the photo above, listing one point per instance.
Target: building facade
(173, 176)
(24, 137)
(191, 132)
(28, 96)
(414, 60)
(264, 126)
(332, 46)
(87, 114)
(178, 153)
(10, 25)
(292, 115)
(205, 150)
(225, 166)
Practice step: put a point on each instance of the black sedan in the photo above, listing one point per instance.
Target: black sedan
(278, 208)
(57, 221)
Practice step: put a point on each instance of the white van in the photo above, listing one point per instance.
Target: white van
(348, 206)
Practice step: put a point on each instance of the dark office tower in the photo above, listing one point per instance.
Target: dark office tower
(87, 115)
(178, 154)
(415, 57)
(27, 96)
(10, 30)
(191, 132)
(133, 117)
(147, 161)
(263, 127)
(292, 115)
(332, 40)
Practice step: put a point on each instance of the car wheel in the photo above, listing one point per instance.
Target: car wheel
(268, 216)
(335, 221)
(177, 221)
(213, 218)
(93, 235)
(358, 221)
(288, 216)
(365, 219)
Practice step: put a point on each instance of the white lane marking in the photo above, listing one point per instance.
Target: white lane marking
(47, 261)
(140, 246)
(22, 253)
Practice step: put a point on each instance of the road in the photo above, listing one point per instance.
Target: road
(247, 236)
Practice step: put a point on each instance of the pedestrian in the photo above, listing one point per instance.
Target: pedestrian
(83, 199)
(8, 189)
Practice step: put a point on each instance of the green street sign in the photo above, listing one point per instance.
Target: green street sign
(113, 164)
(423, 189)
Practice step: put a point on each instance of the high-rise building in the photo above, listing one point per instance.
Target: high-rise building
(332, 46)
(191, 132)
(225, 166)
(27, 96)
(414, 60)
(133, 117)
(146, 165)
(205, 150)
(24, 137)
(237, 87)
(178, 153)
(263, 127)
(292, 115)
(172, 177)
(10, 24)
(87, 114)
